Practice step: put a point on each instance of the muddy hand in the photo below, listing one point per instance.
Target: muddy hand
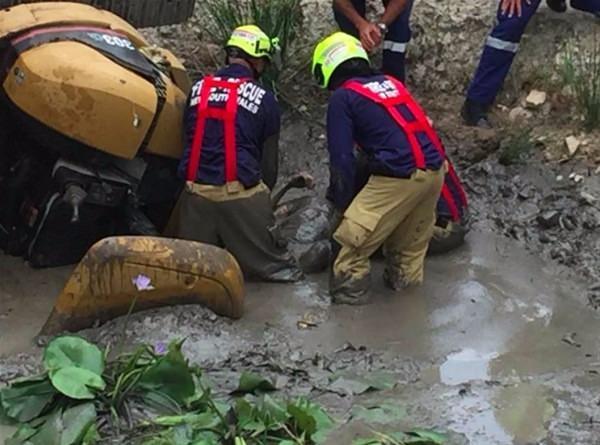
(298, 181)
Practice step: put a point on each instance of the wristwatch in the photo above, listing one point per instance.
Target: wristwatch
(383, 27)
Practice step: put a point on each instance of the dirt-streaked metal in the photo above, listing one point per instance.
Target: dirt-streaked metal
(103, 286)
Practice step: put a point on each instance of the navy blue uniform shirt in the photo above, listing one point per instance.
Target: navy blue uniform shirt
(353, 119)
(258, 118)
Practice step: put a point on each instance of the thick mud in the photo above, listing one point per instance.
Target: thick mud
(497, 347)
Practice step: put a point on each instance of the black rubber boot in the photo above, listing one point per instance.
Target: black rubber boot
(557, 5)
(475, 115)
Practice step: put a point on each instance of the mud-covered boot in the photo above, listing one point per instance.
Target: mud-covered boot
(475, 115)
(349, 291)
(395, 280)
(557, 5)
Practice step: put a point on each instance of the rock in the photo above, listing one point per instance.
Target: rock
(587, 198)
(578, 179)
(548, 219)
(559, 178)
(536, 99)
(573, 145)
(519, 114)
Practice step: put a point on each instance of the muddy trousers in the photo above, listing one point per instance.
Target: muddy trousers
(398, 214)
(502, 46)
(395, 42)
(243, 223)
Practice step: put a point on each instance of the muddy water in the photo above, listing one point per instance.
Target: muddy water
(26, 297)
(501, 346)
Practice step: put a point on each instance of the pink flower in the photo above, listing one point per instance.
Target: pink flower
(142, 283)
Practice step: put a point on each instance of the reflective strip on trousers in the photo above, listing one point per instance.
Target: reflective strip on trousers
(502, 45)
(395, 47)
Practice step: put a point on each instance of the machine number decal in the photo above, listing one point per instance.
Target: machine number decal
(112, 40)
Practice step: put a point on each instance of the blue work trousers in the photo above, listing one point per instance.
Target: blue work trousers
(501, 47)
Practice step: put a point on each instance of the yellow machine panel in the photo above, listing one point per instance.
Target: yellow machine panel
(143, 272)
(35, 15)
(167, 137)
(80, 93)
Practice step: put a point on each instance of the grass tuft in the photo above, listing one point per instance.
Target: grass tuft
(580, 68)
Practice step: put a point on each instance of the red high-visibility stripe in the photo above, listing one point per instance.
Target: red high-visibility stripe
(419, 125)
(227, 115)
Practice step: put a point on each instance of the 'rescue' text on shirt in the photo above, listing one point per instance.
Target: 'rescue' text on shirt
(250, 96)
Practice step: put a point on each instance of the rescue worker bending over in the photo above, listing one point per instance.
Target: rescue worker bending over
(393, 29)
(452, 215)
(499, 52)
(230, 163)
(396, 208)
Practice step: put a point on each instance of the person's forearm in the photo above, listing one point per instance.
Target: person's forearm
(393, 11)
(346, 8)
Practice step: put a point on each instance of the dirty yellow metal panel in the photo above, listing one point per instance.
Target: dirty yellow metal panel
(80, 93)
(180, 272)
(166, 139)
(178, 72)
(34, 15)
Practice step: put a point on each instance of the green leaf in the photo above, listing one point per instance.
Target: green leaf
(274, 409)
(26, 400)
(382, 414)
(77, 383)
(171, 376)
(426, 437)
(71, 351)
(310, 419)
(251, 383)
(376, 381)
(76, 422)
(198, 421)
(91, 436)
(49, 433)
(21, 436)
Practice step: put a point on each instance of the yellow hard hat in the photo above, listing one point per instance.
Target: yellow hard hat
(253, 41)
(331, 52)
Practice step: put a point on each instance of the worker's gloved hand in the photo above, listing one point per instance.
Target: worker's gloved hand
(370, 36)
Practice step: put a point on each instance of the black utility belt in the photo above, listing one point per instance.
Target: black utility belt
(406, 176)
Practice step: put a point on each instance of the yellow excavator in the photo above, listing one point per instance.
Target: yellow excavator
(90, 137)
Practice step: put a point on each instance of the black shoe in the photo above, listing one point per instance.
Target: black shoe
(475, 115)
(557, 5)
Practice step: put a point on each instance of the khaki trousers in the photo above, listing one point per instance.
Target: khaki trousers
(240, 220)
(396, 213)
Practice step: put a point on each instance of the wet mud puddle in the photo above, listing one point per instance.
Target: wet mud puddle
(502, 349)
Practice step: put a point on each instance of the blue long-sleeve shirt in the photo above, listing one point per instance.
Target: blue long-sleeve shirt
(258, 118)
(353, 119)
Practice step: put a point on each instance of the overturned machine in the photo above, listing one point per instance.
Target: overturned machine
(90, 139)
(89, 130)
